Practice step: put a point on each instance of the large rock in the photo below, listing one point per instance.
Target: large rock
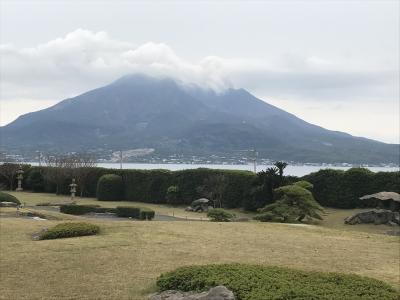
(216, 293)
(376, 217)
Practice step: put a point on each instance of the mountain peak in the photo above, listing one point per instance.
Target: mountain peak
(141, 111)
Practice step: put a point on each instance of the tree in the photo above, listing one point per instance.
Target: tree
(213, 188)
(59, 169)
(294, 204)
(9, 172)
(281, 166)
(82, 167)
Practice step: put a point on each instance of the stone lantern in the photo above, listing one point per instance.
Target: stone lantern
(73, 186)
(20, 176)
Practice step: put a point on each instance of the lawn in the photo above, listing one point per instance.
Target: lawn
(124, 261)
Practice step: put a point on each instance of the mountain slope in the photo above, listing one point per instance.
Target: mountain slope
(142, 112)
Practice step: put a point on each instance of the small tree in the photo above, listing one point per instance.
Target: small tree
(83, 164)
(59, 169)
(213, 188)
(294, 204)
(173, 195)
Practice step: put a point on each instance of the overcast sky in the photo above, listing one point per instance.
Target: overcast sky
(332, 63)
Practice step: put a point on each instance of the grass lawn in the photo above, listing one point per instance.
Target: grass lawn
(124, 261)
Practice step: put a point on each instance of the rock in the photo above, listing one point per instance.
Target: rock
(189, 208)
(8, 204)
(376, 217)
(215, 293)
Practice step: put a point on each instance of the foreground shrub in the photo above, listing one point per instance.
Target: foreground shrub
(252, 282)
(4, 197)
(110, 187)
(128, 212)
(147, 214)
(294, 204)
(65, 230)
(220, 215)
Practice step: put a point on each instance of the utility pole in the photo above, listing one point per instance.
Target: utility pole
(254, 160)
(40, 158)
(120, 159)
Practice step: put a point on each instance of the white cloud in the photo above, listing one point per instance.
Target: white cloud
(83, 60)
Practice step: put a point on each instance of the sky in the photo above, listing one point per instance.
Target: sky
(331, 63)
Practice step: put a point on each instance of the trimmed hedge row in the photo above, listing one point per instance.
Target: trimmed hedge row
(73, 209)
(254, 282)
(66, 230)
(342, 189)
(141, 213)
(333, 188)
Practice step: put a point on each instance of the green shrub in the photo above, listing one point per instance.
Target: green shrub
(65, 230)
(128, 212)
(4, 197)
(110, 187)
(254, 282)
(304, 184)
(73, 209)
(220, 215)
(147, 214)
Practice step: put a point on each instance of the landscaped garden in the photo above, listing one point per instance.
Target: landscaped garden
(111, 248)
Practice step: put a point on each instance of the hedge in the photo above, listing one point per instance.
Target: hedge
(73, 209)
(333, 188)
(255, 282)
(128, 212)
(342, 189)
(4, 197)
(66, 230)
(147, 214)
(110, 187)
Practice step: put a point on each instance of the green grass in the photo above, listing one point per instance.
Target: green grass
(255, 282)
(125, 259)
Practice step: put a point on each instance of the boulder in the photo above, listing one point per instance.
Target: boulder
(376, 217)
(216, 293)
(8, 204)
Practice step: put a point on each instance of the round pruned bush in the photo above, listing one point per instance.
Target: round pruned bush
(4, 197)
(220, 215)
(110, 187)
(255, 282)
(66, 230)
